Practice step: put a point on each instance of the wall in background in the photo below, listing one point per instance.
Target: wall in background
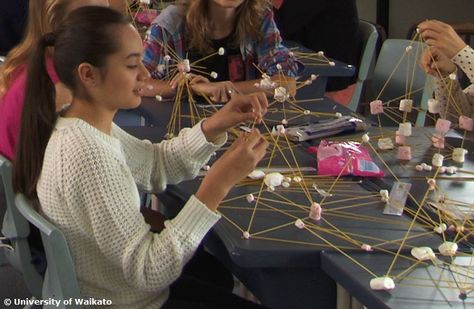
(405, 13)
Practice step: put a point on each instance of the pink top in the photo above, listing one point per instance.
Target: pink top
(11, 107)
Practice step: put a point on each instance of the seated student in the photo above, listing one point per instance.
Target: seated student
(83, 171)
(323, 25)
(446, 52)
(44, 16)
(245, 29)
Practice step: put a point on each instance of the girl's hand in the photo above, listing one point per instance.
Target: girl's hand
(241, 108)
(442, 36)
(235, 164)
(219, 92)
(436, 63)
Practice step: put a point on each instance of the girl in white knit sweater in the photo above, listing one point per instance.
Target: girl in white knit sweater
(85, 172)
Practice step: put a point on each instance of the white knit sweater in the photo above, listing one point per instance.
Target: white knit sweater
(88, 189)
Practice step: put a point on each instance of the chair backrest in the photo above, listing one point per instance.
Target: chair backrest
(368, 37)
(16, 229)
(395, 76)
(60, 281)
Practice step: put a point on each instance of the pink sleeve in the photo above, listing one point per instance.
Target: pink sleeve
(51, 71)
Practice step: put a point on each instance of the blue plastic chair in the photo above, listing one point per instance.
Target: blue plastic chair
(16, 229)
(60, 281)
(368, 39)
(390, 54)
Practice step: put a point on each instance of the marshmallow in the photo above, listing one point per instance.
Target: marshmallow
(280, 94)
(285, 184)
(459, 155)
(273, 179)
(299, 224)
(169, 135)
(284, 121)
(315, 211)
(250, 198)
(406, 105)
(466, 123)
(405, 128)
(338, 115)
(385, 143)
(221, 51)
(307, 112)
(384, 195)
(167, 58)
(438, 140)
(313, 77)
(399, 138)
(404, 153)
(443, 125)
(448, 248)
(278, 66)
(365, 138)
(440, 228)
(437, 160)
(376, 107)
(382, 283)
(246, 235)
(145, 1)
(434, 106)
(431, 184)
(427, 167)
(206, 167)
(460, 229)
(452, 76)
(320, 53)
(419, 168)
(409, 48)
(332, 63)
(214, 74)
(423, 253)
(366, 247)
(297, 179)
(159, 98)
(281, 129)
(256, 174)
(451, 170)
(266, 83)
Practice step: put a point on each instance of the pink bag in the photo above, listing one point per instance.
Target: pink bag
(333, 158)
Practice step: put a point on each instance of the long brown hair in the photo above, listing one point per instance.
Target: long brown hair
(43, 17)
(248, 21)
(86, 36)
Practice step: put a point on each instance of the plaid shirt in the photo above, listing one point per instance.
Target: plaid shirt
(169, 27)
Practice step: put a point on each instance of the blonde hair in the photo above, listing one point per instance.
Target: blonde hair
(249, 18)
(43, 17)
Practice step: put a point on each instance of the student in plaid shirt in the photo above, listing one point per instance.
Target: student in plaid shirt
(192, 30)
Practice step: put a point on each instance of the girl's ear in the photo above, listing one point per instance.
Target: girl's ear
(88, 75)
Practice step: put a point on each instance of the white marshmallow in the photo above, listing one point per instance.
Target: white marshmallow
(408, 48)
(338, 115)
(250, 198)
(299, 224)
(437, 160)
(284, 121)
(448, 248)
(221, 51)
(459, 155)
(307, 112)
(246, 235)
(297, 179)
(452, 76)
(167, 58)
(159, 98)
(385, 143)
(434, 106)
(214, 74)
(278, 66)
(280, 94)
(406, 105)
(285, 184)
(419, 168)
(423, 253)
(405, 129)
(440, 228)
(273, 179)
(382, 283)
(366, 247)
(256, 174)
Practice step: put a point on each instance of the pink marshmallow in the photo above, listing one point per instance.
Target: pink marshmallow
(438, 140)
(400, 139)
(443, 125)
(404, 153)
(466, 123)
(315, 211)
(376, 107)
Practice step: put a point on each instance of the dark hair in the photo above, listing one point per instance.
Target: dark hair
(85, 36)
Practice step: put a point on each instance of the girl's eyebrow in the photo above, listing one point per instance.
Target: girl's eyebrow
(134, 55)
